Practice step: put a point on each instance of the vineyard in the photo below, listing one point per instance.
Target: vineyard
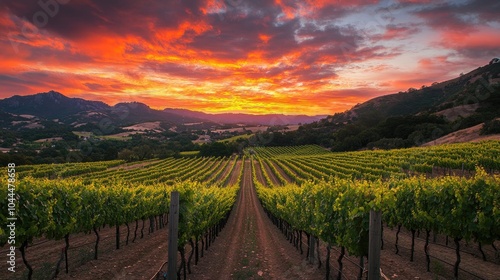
(440, 213)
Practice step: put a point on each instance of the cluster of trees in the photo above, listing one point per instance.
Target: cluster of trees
(402, 120)
(393, 132)
(222, 149)
(74, 149)
(216, 149)
(491, 127)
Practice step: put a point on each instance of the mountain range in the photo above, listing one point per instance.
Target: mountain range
(479, 87)
(416, 116)
(76, 111)
(267, 119)
(426, 113)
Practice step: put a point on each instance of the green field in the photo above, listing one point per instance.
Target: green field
(234, 138)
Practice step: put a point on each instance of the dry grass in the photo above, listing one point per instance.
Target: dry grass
(471, 134)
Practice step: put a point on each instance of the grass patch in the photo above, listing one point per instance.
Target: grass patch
(437, 269)
(102, 137)
(234, 138)
(189, 153)
(244, 274)
(115, 137)
(83, 133)
(83, 256)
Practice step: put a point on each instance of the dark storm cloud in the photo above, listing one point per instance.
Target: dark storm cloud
(80, 18)
(452, 15)
(463, 26)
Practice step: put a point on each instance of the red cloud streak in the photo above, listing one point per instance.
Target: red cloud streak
(283, 56)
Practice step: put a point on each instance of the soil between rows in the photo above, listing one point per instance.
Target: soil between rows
(251, 247)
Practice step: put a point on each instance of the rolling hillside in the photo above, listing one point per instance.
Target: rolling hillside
(409, 118)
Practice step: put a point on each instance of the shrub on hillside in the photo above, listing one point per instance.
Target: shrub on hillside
(491, 127)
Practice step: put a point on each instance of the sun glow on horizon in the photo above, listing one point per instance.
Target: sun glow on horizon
(285, 57)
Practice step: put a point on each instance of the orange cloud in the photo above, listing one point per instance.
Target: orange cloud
(485, 38)
(287, 56)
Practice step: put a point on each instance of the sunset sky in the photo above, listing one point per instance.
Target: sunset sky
(253, 56)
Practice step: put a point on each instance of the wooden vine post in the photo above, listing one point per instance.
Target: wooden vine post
(374, 245)
(312, 249)
(173, 229)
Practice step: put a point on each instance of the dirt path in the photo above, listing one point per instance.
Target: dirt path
(251, 247)
(442, 257)
(235, 174)
(271, 174)
(127, 166)
(217, 167)
(258, 171)
(138, 260)
(283, 174)
(226, 170)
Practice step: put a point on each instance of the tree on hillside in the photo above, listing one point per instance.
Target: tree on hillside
(216, 149)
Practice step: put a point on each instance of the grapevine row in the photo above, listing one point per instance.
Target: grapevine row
(337, 210)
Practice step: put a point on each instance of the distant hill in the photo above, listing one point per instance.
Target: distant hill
(77, 111)
(49, 105)
(228, 118)
(409, 118)
(475, 87)
(403, 119)
(136, 112)
(90, 115)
